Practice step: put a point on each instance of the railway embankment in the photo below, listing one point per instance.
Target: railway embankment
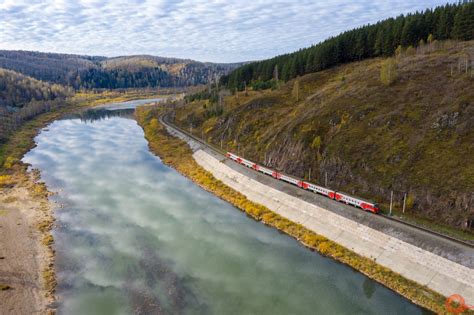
(445, 274)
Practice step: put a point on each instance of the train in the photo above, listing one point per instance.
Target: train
(332, 194)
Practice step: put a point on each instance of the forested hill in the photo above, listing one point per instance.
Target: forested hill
(452, 21)
(17, 89)
(401, 124)
(120, 72)
(23, 97)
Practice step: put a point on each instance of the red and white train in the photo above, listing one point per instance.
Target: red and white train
(336, 195)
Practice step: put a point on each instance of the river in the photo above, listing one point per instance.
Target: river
(133, 236)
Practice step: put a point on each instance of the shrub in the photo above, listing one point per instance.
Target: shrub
(388, 72)
(9, 162)
(6, 180)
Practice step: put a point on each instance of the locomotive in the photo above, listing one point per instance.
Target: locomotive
(332, 194)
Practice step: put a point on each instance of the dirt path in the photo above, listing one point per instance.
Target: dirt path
(24, 255)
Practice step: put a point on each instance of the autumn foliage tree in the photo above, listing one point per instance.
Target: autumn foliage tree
(388, 71)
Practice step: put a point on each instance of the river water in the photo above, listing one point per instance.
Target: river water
(133, 236)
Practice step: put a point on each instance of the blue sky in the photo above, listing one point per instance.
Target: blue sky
(205, 30)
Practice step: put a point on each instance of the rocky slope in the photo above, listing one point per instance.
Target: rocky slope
(412, 133)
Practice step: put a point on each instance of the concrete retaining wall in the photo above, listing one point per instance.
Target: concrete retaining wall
(424, 267)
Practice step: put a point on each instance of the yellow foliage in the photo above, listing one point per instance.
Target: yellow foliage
(9, 162)
(324, 247)
(388, 72)
(6, 180)
(316, 144)
(154, 125)
(410, 201)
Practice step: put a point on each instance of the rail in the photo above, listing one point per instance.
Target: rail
(164, 120)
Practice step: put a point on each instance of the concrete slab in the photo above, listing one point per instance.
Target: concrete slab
(438, 273)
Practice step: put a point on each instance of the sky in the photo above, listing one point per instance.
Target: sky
(204, 30)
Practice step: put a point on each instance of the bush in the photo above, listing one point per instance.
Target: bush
(10, 161)
(6, 180)
(264, 85)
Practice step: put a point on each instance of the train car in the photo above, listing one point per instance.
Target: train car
(265, 170)
(357, 202)
(289, 179)
(321, 190)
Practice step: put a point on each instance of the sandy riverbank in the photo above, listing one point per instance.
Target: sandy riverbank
(26, 264)
(27, 277)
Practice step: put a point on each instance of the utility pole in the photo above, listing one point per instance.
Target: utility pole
(309, 177)
(326, 181)
(221, 143)
(404, 202)
(391, 202)
(265, 159)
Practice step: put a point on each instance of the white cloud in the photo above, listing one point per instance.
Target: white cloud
(207, 30)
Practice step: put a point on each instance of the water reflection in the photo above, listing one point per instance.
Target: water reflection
(369, 288)
(101, 113)
(135, 237)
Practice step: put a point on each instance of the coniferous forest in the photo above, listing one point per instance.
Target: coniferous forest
(452, 21)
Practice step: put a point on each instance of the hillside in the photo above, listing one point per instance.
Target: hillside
(17, 90)
(403, 124)
(23, 97)
(382, 39)
(111, 73)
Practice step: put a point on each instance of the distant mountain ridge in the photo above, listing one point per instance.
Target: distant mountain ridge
(137, 71)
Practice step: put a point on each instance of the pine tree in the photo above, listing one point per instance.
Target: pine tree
(463, 28)
(381, 39)
(378, 49)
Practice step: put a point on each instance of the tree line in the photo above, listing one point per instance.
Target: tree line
(22, 98)
(16, 90)
(88, 72)
(451, 21)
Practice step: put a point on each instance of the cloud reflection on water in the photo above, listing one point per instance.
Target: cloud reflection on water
(136, 235)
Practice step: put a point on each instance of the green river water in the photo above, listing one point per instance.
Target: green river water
(133, 236)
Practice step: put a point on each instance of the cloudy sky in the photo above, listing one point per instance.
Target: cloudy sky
(205, 30)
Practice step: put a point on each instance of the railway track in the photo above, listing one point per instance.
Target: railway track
(164, 119)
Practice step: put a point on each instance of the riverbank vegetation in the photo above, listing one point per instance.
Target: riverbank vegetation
(19, 188)
(177, 154)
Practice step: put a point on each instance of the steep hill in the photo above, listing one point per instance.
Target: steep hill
(404, 124)
(118, 72)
